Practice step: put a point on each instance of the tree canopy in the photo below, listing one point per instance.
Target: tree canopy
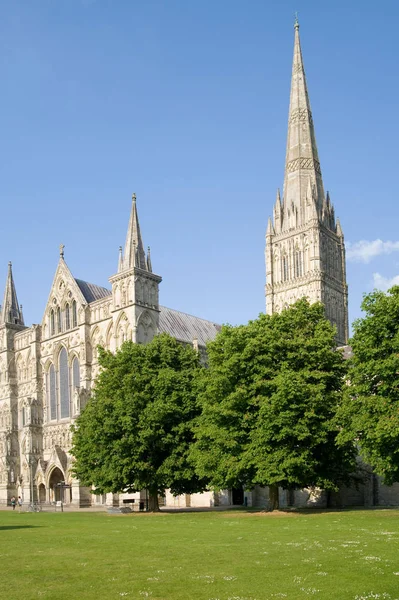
(136, 430)
(269, 401)
(371, 408)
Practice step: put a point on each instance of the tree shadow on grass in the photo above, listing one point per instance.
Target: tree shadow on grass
(4, 527)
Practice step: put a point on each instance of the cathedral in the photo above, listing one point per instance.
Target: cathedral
(48, 370)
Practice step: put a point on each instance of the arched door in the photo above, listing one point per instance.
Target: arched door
(42, 493)
(57, 479)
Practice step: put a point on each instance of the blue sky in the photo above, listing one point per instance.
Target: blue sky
(185, 104)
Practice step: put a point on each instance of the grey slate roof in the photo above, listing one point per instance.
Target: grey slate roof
(185, 327)
(91, 291)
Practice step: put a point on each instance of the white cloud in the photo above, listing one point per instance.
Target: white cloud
(383, 283)
(364, 251)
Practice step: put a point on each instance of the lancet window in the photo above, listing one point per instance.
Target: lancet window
(52, 392)
(67, 317)
(76, 373)
(61, 382)
(74, 314)
(63, 320)
(59, 322)
(64, 384)
(284, 268)
(52, 322)
(298, 263)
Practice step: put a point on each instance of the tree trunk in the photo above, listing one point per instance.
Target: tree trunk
(273, 497)
(153, 505)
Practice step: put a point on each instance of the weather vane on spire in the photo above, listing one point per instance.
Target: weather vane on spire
(296, 23)
(62, 250)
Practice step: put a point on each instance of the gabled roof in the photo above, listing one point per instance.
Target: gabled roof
(186, 327)
(91, 291)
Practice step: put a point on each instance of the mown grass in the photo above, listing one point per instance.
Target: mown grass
(205, 556)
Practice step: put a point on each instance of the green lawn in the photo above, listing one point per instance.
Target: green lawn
(207, 556)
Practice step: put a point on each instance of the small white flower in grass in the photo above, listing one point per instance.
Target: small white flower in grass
(374, 596)
(145, 593)
(372, 558)
(229, 578)
(309, 591)
(298, 579)
(321, 573)
(152, 578)
(396, 573)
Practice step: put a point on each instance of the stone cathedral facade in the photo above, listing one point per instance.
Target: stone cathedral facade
(47, 370)
(305, 251)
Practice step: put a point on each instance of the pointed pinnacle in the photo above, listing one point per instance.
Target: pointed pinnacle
(134, 242)
(120, 260)
(11, 312)
(149, 264)
(338, 228)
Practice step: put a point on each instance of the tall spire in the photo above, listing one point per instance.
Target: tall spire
(11, 311)
(134, 249)
(302, 158)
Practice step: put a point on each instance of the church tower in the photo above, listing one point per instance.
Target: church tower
(11, 323)
(135, 288)
(305, 250)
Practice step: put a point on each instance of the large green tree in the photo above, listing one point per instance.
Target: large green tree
(371, 408)
(269, 400)
(136, 430)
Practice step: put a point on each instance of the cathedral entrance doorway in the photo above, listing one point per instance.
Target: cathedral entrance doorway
(42, 493)
(55, 484)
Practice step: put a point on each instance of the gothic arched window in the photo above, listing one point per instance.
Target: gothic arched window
(74, 314)
(64, 384)
(67, 317)
(52, 322)
(59, 323)
(76, 373)
(51, 393)
(285, 268)
(298, 263)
